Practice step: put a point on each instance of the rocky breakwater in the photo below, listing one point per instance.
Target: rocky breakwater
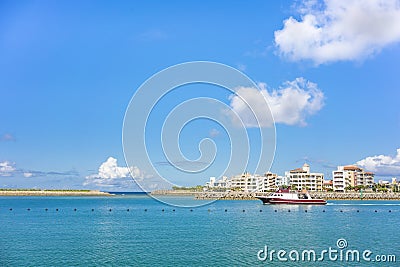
(237, 195)
(174, 193)
(356, 195)
(233, 195)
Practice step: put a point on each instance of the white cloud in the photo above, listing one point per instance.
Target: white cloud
(382, 165)
(110, 170)
(291, 104)
(7, 168)
(335, 30)
(28, 174)
(110, 177)
(113, 176)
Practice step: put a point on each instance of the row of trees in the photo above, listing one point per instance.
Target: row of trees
(356, 188)
(384, 188)
(375, 188)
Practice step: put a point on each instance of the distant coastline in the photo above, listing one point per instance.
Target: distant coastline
(232, 195)
(51, 192)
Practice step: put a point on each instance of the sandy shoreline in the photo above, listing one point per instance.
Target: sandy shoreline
(53, 193)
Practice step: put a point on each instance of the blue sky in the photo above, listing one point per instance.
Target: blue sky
(68, 70)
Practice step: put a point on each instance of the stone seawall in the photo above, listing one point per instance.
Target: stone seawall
(226, 195)
(175, 193)
(356, 196)
(323, 195)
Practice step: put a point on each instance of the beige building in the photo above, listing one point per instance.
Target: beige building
(269, 182)
(302, 178)
(254, 183)
(351, 175)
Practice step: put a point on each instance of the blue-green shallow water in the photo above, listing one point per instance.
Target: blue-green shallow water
(205, 236)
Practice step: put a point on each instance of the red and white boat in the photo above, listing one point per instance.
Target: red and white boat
(286, 196)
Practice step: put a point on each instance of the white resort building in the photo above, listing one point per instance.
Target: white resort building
(246, 182)
(302, 178)
(254, 183)
(222, 183)
(282, 181)
(351, 175)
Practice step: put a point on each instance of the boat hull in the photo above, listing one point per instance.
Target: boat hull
(298, 201)
(267, 200)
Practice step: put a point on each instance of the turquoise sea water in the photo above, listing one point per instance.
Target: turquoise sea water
(135, 231)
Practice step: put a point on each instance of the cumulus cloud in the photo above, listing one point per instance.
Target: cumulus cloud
(112, 175)
(7, 168)
(382, 165)
(110, 170)
(337, 30)
(291, 104)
